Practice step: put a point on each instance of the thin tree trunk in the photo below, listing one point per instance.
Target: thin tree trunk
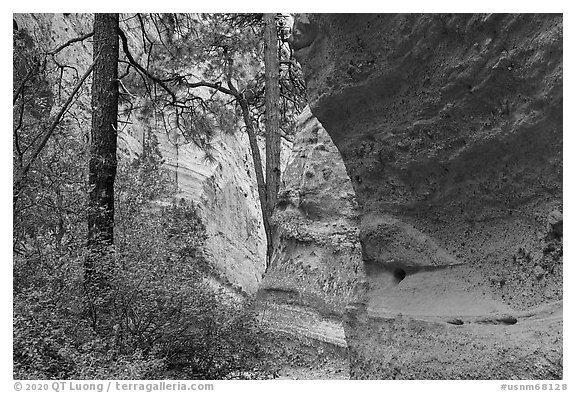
(257, 169)
(102, 167)
(272, 70)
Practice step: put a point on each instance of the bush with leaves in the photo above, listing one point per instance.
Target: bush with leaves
(160, 311)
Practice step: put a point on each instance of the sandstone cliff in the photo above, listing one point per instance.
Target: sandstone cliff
(450, 127)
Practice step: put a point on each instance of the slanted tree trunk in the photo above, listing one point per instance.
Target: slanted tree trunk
(102, 167)
(258, 170)
(272, 70)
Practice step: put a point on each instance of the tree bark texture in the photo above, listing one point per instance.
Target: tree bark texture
(272, 94)
(102, 167)
(259, 172)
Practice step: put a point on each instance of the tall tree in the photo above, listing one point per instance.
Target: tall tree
(102, 166)
(228, 48)
(272, 100)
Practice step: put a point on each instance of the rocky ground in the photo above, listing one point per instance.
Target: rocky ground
(309, 348)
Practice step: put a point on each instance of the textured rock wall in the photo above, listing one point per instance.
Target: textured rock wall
(227, 198)
(316, 269)
(450, 127)
(317, 257)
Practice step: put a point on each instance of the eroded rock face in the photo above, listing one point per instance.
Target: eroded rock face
(317, 256)
(227, 199)
(316, 269)
(450, 127)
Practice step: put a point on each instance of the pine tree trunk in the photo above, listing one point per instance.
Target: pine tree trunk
(272, 70)
(259, 173)
(102, 167)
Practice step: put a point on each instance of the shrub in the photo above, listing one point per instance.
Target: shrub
(159, 310)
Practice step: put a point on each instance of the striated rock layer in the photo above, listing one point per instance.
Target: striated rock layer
(316, 267)
(227, 199)
(317, 255)
(450, 127)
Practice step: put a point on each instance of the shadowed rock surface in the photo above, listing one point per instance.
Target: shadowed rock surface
(450, 127)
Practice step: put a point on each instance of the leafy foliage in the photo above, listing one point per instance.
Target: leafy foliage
(160, 312)
(48, 206)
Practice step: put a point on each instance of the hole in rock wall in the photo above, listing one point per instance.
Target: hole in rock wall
(507, 321)
(399, 275)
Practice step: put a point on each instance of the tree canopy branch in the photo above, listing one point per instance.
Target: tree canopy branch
(136, 65)
(215, 86)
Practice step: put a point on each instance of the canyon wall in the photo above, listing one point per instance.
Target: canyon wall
(450, 128)
(316, 256)
(226, 196)
(316, 268)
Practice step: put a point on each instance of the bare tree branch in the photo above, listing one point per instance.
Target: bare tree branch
(19, 152)
(69, 42)
(26, 168)
(215, 86)
(19, 89)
